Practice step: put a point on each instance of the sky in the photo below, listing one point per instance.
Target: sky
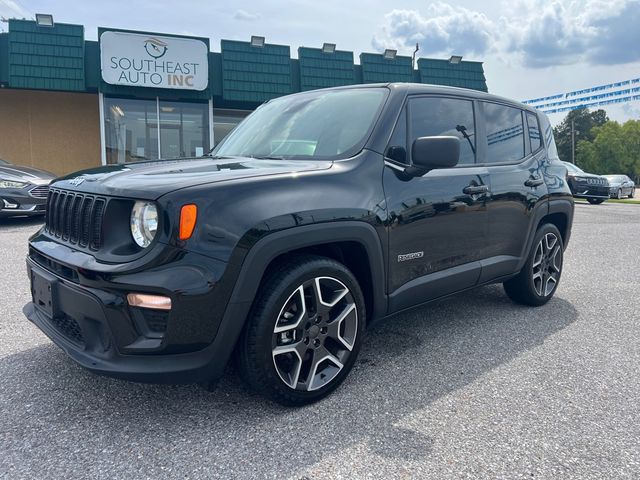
(530, 48)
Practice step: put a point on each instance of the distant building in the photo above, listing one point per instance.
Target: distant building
(67, 103)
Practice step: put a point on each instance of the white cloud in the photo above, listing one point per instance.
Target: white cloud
(594, 32)
(560, 32)
(443, 29)
(246, 16)
(13, 9)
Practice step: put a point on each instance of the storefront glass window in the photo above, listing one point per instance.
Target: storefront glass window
(226, 120)
(131, 129)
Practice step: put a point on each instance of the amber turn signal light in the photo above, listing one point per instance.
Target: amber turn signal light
(188, 216)
(143, 300)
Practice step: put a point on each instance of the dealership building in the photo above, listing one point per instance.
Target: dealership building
(67, 103)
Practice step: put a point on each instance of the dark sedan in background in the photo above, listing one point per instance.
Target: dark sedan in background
(621, 186)
(23, 190)
(595, 188)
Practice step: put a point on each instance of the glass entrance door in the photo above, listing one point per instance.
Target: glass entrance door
(184, 129)
(138, 129)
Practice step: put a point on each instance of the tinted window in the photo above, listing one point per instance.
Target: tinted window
(445, 116)
(534, 132)
(505, 134)
(397, 149)
(325, 124)
(552, 151)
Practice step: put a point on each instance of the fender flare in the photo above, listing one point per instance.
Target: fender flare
(271, 246)
(276, 244)
(566, 207)
(546, 208)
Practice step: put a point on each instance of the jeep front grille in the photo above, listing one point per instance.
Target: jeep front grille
(75, 218)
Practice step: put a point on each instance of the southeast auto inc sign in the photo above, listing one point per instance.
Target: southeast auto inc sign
(141, 60)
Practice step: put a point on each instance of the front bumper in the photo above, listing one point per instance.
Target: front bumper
(591, 192)
(98, 329)
(28, 201)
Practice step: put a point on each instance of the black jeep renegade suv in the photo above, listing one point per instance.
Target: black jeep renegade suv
(320, 213)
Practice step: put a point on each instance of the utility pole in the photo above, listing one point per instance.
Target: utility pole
(573, 142)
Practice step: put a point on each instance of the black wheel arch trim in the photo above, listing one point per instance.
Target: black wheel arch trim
(270, 247)
(545, 208)
(564, 206)
(273, 245)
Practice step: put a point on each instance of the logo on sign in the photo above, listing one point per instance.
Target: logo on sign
(155, 48)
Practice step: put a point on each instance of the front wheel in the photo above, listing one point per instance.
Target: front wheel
(304, 331)
(538, 280)
(619, 194)
(632, 192)
(595, 201)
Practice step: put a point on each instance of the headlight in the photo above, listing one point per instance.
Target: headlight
(144, 223)
(12, 184)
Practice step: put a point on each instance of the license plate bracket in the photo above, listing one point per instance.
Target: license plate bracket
(44, 292)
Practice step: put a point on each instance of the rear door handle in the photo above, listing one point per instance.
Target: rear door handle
(475, 189)
(534, 182)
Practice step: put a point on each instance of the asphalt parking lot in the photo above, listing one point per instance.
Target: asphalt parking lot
(470, 387)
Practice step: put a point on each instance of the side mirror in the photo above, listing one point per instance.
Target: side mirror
(430, 153)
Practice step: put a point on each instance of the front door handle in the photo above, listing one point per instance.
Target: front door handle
(475, 189)
(534, 182)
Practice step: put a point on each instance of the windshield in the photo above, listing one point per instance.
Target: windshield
(572, 168)
(327, 124)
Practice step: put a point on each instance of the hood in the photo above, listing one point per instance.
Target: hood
(150, 180)
(26, 174)
(584, 175)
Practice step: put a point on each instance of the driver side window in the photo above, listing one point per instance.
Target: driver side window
(433, 116)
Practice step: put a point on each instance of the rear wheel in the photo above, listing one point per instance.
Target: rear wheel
(538, 280)
(595, 201)
(304, 332)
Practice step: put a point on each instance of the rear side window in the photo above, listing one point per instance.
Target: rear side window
(505, 133)
(534, 132)
(433, 116)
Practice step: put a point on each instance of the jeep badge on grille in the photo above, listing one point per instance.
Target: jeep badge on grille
(76, 181)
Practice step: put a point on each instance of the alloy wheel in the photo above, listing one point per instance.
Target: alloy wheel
(314, 333)
(547, 263)
(619, 195)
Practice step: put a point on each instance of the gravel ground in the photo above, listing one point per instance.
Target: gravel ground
(469, 387)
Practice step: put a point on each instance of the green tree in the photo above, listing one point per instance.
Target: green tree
(584, 122)
(614, 149)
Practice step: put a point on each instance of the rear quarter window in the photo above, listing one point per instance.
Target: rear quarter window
(505, 133)
(534, 131)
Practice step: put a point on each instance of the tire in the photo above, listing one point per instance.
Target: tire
(632, 193)
(619, 194)
(595, 201)
(304, 331)
(538, 280)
